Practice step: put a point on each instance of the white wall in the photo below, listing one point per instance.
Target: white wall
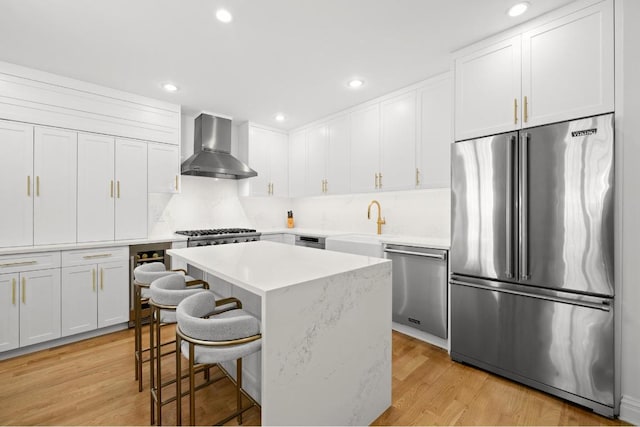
(628, 140)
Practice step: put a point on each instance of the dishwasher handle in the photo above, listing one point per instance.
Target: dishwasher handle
(442, 256)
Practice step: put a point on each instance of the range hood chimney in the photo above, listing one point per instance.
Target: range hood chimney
(212, 151)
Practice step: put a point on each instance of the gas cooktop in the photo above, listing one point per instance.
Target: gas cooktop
(215, 232)
(219, 236)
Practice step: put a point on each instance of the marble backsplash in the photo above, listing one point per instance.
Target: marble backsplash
(215, 203)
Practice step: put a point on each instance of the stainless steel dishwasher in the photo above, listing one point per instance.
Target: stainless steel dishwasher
(419, 281)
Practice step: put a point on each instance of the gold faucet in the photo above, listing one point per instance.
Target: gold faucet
(380, 219)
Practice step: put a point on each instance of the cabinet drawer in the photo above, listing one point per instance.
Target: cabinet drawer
(94, 256)
(29, 262)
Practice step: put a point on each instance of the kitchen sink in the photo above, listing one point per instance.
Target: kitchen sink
(359, 244)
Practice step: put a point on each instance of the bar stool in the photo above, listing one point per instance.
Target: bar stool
(165, 295)
(206, 337)
(143, 275)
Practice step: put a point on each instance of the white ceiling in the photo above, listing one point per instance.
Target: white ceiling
(293, 56)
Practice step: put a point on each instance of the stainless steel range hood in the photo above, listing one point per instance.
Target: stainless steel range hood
(212, 151)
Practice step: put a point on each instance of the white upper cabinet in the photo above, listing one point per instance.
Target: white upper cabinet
(267, 152)
(55, 163)
(365, 149)
(297, 163)
(131, 190)
(164, 168)
(560, 67)
(433, 154)
(16, 184)
(279, 164)
(337, 175)
(488, 90)
(259, 160)
(96, 187)
(568, 65)
(317, 142)
(398, 143)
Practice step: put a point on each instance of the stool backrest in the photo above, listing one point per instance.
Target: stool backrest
(147, 273)
(227, 326)
(170, 290)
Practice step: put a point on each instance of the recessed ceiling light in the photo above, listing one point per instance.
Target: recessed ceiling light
(170, 87)
(280, 117)
(224, 15)
(518, 9)
(355, 83)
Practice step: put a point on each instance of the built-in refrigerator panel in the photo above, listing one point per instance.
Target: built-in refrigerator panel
(482, 241)
(567, 218)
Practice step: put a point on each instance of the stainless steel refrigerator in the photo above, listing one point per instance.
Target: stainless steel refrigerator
(532, 258)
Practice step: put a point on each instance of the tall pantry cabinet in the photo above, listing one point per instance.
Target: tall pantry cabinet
(16, 184)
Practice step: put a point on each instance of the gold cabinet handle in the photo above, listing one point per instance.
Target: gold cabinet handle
(118, 189)
(526, 110)
(38, 186)
(13, 291)
(177, 179)
(111, 191)
(97, 256)
(326, 186)
(376, 180)
(93, 279)
(515, 111)
(28, 185)
(101, 279)
(417, 177)
(18, 264)
(380, 184)
(24, 290)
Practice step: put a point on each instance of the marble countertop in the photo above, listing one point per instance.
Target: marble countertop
(109, 244)
(263, 266)
(425, 242)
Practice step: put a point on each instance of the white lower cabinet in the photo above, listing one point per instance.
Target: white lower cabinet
(95, 292)
(39, 306)
(29, 299)
(9, 311)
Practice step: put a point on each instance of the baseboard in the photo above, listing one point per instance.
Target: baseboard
(630, 410)
(420, 335)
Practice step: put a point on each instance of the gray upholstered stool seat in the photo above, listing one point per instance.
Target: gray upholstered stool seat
(166, 293)
(207, 336)
(143, 275)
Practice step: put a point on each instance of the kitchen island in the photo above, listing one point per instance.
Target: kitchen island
(326, 328)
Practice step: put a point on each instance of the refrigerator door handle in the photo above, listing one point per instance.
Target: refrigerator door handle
(509, 203)
(603, 305)
(524, 207)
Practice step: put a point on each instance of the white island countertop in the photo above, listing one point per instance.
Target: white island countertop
(263, 266)
(326, 329)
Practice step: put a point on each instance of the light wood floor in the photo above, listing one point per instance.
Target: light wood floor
(92, 383)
